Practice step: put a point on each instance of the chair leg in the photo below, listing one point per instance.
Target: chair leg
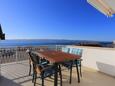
(42, 81)
(56, 75)
(30, 70)
(77, 71)
(35, 76)
(80, 69)
(70, 79)
(60, 74)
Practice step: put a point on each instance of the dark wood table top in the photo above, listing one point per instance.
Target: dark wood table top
(57, 56)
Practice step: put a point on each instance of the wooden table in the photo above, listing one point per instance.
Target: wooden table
(57, 57)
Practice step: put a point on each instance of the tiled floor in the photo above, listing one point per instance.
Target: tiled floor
(16, 74)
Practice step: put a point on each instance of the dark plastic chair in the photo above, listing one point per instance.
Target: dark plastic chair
(71, 64)
(43, 61)
(43, 70)
(79, 52)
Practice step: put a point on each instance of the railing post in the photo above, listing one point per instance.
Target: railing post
(16, 54)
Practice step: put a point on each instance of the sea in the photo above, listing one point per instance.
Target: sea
(39, 42)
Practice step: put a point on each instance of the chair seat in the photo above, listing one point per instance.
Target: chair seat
(78, 62)
(46, 70)
(71, 64)
(67, 64)
(47, 73)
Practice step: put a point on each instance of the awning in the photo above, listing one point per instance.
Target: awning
(2, 35)
(107, 7)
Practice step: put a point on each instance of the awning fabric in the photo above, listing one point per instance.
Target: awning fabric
(107, 7)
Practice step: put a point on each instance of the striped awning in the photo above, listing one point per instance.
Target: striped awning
(107, 7)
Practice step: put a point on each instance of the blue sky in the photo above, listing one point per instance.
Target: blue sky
(54, 19)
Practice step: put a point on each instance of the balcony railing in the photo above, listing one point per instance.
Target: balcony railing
(14, 54)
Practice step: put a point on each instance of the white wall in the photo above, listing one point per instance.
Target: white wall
(102, 59)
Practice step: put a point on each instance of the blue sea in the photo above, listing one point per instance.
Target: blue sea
(14, 43)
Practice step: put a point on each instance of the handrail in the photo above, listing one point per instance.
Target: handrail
(15, 54)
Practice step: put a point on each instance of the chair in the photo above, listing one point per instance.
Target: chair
(78, 52)
(71, 64)
(43, 70)
(44, 62)
(30, 61)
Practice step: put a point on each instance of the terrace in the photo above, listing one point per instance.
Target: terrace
(98, 65)
(98, 69)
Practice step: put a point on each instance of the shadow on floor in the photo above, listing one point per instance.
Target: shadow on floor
(6, 82)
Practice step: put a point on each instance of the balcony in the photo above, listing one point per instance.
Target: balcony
(96, 72)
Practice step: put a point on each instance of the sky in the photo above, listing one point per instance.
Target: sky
(55, 19)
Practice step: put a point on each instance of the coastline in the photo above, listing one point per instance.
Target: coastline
(40, 42)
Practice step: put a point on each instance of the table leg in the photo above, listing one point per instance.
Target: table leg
(70, 73)
(60, 74)
(56, 75)
(77, 71)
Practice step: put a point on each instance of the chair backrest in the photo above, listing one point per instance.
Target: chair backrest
(80, 51)
(76, 51)
(66, 50)
(34, 58)
(35, 61)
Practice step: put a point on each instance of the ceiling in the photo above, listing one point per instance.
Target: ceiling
(107, 7)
